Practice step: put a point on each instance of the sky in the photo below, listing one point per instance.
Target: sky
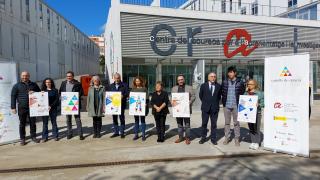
(87, 15)
(90, 16)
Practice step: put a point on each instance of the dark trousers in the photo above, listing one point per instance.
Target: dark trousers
(53, 118)
(23, 116)
(213, 115)
(255, 129)
(160, 125)
(78, 122)
(97, 125)
(137, 126)
(183, 128)
(116, 124)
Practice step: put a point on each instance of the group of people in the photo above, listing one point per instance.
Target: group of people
(210, 94)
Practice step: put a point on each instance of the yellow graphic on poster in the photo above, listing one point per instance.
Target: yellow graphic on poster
(113, 103)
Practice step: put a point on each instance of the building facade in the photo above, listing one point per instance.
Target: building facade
(99, 40)
(160, 43)
(41, 41)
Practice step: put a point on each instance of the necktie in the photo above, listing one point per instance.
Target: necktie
(211, 88)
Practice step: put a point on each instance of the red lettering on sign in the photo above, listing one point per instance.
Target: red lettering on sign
(239, 33)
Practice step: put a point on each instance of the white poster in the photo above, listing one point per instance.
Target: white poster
(137, 104)
(180, 105)
(247, 109)
(9, 123)
(286, 115)
(113, 103)
(69, 103)
(39, 104)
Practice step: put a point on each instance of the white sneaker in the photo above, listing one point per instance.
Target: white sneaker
(251, 146)
(255, 146)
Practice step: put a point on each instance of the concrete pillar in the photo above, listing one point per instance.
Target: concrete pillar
(159, 71)
(219, 73)
(156, 3)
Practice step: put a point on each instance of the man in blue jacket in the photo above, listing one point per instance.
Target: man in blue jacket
(122, 87)
(20, 93)
(232, 88)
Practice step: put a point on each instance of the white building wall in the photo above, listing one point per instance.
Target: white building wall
(44, 53)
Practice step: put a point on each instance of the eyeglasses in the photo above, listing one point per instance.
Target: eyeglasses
(250, 84)
(180, 79)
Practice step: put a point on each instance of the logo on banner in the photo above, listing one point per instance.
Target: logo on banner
(1, 78)
(277, 105)
(285, 72)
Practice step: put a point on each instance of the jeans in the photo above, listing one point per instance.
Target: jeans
(78, 122)
(53, 117)
(116, 124)
(185, 128)
(143, 125)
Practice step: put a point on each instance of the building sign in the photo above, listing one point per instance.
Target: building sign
(242, 43)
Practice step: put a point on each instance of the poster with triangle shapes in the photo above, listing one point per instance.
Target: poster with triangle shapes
(247, 108)
(69, 103)
(113, 103)
(137, 104)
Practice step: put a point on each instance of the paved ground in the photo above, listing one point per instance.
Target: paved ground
(117, 158)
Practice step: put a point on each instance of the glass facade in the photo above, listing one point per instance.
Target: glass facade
(170, 73)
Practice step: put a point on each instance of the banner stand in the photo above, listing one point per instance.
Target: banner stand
(286, 112)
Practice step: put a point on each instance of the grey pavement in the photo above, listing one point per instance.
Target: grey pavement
(222, 162)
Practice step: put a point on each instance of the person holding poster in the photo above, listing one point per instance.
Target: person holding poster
(182, 88)
(232, 88)
(20, 93)
(95, 104)
(210, 95)
(138, 85)
(159, 103)
(53, 95)
(119, 86)
(253, 90)
(72, 85)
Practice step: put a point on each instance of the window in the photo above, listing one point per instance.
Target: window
(2, 4)
(58, 25)
(11, 7)
(254, 8)
(239, 3)
(41, 15)
(292, 3)
(25, 44)
(65, 33)
(244, 10)
(27, 10)
(12, 40)
(230, 6)
(223, 6)
(48, 19)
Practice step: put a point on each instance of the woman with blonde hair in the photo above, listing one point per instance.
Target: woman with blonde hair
(253, 90)
(138, 85)
(95, 104)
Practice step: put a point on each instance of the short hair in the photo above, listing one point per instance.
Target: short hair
(181, 75)
(116, 74)
(232, 69)
(160, 83)
(70, 72)
(93, 78)
(141, 80)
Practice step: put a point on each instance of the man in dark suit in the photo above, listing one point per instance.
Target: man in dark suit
(72, 85)
(122, 87)
(210, 94)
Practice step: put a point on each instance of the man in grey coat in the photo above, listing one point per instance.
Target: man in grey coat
(182, 88)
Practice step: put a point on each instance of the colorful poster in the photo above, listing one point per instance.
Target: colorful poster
(286, 114)
(69, 103)
(180, 105)
(247, 109)
(113, 103)
(137, 104)
(9, 123)
(39, 104)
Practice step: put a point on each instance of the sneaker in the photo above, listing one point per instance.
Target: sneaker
(226, 141)
(237, 142)
(251, 146)
(255, 146)
(136, 137)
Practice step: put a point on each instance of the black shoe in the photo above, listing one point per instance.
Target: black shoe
(35, 140)
(98, 136)
(202, 140)
(69, 136)
(136, 137)
(23, 142)
(214, 142)
(123, 136)
(114, 135)
(81, 138)
(56, 139)
(144, 138)
(94, 136)
(44, 140)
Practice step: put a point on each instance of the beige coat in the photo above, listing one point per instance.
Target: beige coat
(189, 89)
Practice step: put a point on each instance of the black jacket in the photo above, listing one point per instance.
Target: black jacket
(123, 88)
(209, 101)
(53, 99)
(77, 87)
(240, 89)
(20, 94)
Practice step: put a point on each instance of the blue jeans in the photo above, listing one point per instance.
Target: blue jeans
(53, 118)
